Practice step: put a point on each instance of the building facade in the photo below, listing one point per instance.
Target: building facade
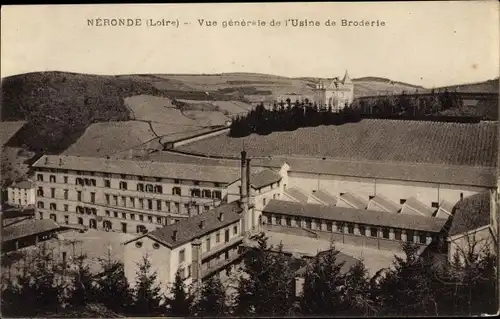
(21, 193)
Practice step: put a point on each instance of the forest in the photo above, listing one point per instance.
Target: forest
(413, 286)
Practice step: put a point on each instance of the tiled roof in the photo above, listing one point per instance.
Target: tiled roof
(413, 206)
(360, 216)
(189, 228)
(8, 130)
(22, 184)
(325, 197)
(421, 172)
(382, 140)
(446, 206)
(223, 174)
(296, 194)
(385, 204)
(264, 178)
(354, 200)
(28, 228)
(471, 213)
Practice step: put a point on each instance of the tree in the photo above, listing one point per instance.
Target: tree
(212, 302)
(179, 303)
(324, 285)
(265, 288)
(147, 298)
(83, 286)
(357, 297)
(407, 289)
(112, 283)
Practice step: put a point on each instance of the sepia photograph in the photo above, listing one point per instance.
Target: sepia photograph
(326, 159)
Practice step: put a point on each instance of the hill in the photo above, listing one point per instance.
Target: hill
(490, 86)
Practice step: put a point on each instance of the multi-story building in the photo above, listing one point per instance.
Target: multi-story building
(131, 195)
(21, 193)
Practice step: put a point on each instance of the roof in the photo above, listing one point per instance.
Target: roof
(417, 207)
(471, 213)
(375, 140)
(385, 204)
(264, 178)
(421, 172)
(28, 228)
(8, 130)
(354, 200)
(25, 184)
(223, 174)
(352, 215)
(325, 197)
(296, 194)
(446, 206)
(189, 228)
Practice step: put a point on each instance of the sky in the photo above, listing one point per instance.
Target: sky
(422, 43)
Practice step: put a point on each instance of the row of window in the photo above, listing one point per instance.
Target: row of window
(148, 203)
(369, 231)
(132, 216)
(107, 183)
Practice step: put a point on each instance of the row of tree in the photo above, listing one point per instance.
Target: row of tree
(288, 115)
(265, 287)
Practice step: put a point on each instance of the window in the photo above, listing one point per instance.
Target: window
(39, 177)
(195, 192)
(217, 194)
(132, 201)
(158, 189)
(40, 205)
(150, 204)
(158, 220)
(308, 223)
(288, 221)
(87, 182)
(39, 192)
(53, 217)
(107, 183)
(385, 233)
(150, 219)
(264, 201)
(208, 243)
(65, 207)
(123, 185)
(176, 181)
(65, 179)
(189, 271)
(278, 219)
(435, 204)
(115, 200)
(341, 194)
(123, 176)
(350, 228)
(402, 201)
(138, 244)
(141, 218)
(423, 238)
(107, 198)
(409, 236)
(92, 181)
(132, 216)
(124, 215)
(140, 187)
(79, 210)
(124, 201)
(206, 208)
(397, 234)
(373, 232)
(79, 196)
(107, 213)
(92, 197)
(52, 178)
(141, 203)
(52, 192)
(176, 191)
(329, 226)
(235, 229)
(206, 193)
(217, 238)
(80, 221)
(156, 246)
(115, 214)
(41, 215)
(182, 255)
(158, 204)
(66, 194)
(66, 219)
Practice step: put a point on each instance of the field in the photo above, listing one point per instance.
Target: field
(374, 140)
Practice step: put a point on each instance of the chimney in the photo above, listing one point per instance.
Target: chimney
(202, 224)
(46, 160)
(174, 236)
(196, 262)
(249, 188)
(60, 162)
(221, 217)
(243, 177)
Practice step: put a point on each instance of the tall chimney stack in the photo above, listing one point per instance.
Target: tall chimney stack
(243, 176)
(248, 188)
